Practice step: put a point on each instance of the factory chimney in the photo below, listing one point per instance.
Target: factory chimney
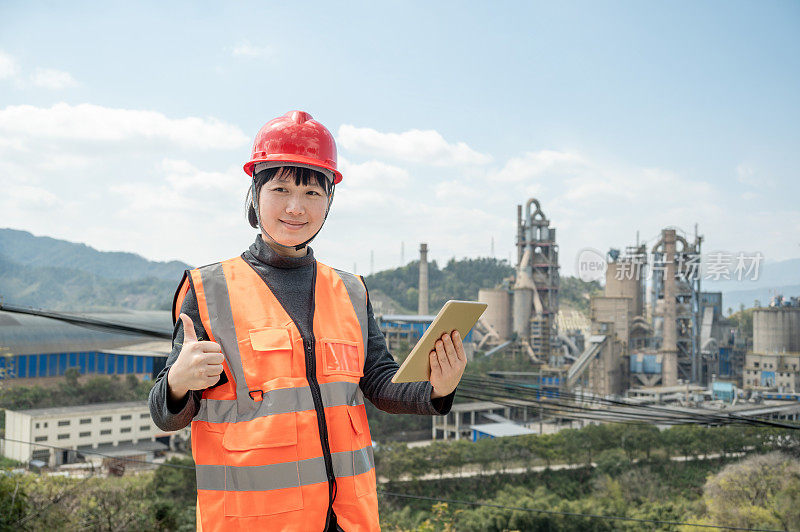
(669, 347)
(423, 279)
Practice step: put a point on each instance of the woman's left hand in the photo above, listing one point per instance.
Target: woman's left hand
(448, 361)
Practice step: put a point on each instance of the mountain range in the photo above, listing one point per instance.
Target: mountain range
(44, 272)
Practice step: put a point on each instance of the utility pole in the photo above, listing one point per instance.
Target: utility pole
(541, 415)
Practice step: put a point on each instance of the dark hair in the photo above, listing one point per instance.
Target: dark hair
(300, 175)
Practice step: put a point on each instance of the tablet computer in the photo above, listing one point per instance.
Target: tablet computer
(455, 315)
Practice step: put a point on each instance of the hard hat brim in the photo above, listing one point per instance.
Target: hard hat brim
(298, 160)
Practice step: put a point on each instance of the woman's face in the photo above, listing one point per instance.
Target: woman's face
(290, 213)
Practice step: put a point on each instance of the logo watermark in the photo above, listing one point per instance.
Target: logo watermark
(591, 265)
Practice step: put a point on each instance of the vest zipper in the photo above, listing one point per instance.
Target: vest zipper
(311, 376)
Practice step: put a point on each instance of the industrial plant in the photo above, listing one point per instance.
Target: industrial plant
(652, 334)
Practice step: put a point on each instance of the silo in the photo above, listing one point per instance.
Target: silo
(622, 280)
(498, 313)
(776, 330)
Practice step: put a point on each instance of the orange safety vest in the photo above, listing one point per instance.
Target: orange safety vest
(288, 432)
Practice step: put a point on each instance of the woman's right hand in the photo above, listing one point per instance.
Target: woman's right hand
(198, 366)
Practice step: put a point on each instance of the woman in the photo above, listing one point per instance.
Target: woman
(274, 354)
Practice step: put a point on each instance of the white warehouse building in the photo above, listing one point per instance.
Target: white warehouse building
(111, 429)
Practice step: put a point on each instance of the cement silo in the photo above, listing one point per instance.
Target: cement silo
(625, 278)
(776, 330)
(498, 313)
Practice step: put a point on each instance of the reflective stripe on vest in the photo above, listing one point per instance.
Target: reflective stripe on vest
(283, 475)
(280, 401)
(255, 438)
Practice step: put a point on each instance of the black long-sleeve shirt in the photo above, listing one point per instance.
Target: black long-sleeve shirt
(290, 279)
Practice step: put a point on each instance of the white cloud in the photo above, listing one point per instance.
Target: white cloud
(173, 188)
(749, 176)
(186, 177)
(591, 202)
(536, 164)
(457, 188)
(749, 195)
(372, 174)
(30, 195)
(247, 50)
(8, 66)
(94, 123)
(413, 146)
(601, 204)
(50, 78)
(121, 179)
(47, 78)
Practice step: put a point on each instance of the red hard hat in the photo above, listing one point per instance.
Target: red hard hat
(295, 138)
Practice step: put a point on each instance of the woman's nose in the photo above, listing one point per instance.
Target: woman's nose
(295, 205)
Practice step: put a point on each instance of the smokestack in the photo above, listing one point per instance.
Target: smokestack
(520, 235)
(669, 347)
(423, 279)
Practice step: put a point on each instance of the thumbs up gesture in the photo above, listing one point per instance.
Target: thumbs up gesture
(198, 366)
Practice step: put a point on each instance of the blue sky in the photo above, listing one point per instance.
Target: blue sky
(618, 116)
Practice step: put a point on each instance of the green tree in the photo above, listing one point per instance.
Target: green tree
(14, 504)
(638, 438)
(71, 378)
(760, 491)
(612, 462)
(441, 519)
(175, 480)
(174, 487)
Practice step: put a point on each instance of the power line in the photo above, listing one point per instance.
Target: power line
(575, 514)
(575, 411)
(85, 321)
(487, 388)
(484, 388)
(132, 460)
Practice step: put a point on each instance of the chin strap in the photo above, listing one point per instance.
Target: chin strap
(254, 196)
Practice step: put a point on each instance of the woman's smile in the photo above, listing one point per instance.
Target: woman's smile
(292, 225)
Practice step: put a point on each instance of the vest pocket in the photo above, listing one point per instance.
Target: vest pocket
(262, 476)
(341, 357)
(362, 456)
(272, 350)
